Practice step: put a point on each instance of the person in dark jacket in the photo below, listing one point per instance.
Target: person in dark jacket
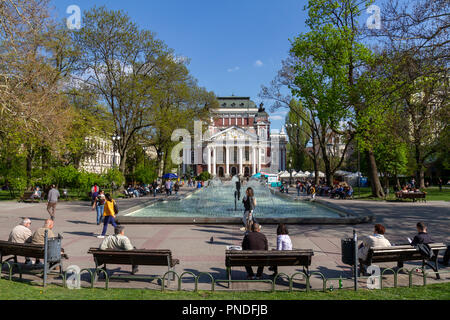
(422, 237)
(255, 240)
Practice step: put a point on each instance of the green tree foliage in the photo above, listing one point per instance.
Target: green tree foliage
(125, 74)
(204, 176)
(299, 135)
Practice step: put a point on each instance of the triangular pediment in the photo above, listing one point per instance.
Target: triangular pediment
(233, 133)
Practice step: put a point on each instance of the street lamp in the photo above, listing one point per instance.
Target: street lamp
(115, 138)
(290, 166)
(359, 170)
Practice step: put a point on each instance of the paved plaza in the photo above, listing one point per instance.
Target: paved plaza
(75, 221)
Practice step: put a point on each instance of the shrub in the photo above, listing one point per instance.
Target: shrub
(204, 176)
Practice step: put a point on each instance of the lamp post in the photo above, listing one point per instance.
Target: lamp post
(290, 170)
(359, 170)
(115, 138)
(161, 165)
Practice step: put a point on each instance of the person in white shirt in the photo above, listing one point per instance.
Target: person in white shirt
(118, 241)
(21, 234)
(376, 240)
(283, 242)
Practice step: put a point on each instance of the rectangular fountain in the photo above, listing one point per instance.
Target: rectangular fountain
(215, 204)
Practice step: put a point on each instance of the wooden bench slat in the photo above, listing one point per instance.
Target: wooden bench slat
(134, 257)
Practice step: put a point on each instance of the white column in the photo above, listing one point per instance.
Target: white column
(214, 168)
(227, 162)
(241, 171)
(259, 158)
(209, 160)
(254, 160)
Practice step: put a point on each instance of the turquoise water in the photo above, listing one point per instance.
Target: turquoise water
(217, 200)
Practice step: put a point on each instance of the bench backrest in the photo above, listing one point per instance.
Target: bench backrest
(132, 257)
(268, 258)
(21, 249)
(400, 253)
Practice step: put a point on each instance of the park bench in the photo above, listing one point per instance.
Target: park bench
(10, 251)
(414, 196)
(401, 254)
(238, 258)
(26, 197)
(137, 257)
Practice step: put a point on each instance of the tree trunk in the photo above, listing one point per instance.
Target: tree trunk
(45, 158)
(377, 190)
(422, 177)
(123, 161)
(29, 166)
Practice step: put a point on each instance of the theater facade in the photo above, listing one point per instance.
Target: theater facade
(239, 141)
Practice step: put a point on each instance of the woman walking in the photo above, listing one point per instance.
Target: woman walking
(99, 205)
(109, 214)
(249, 205)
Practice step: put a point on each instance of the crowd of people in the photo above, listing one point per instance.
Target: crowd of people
(340, 190)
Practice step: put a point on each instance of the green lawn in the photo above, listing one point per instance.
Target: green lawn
(433, 194)
(11, 290)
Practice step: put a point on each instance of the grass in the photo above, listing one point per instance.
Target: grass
(11, 290)
(433, 194)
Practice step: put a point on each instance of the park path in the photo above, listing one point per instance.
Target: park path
(75, 221)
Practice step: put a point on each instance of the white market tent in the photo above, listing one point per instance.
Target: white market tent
(301, 175)
(313, 174)
(341, 173)
(285, 174)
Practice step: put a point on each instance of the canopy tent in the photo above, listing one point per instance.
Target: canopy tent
(313, 174)
(341, 173)
(285, 175)
(170, 176)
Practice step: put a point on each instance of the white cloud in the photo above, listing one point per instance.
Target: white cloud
(258, 63)
(276, 118)
(234, 69)
(281, 113)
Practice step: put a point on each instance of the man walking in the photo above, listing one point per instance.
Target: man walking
(53, 196)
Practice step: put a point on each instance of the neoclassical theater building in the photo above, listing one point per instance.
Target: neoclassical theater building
(239, 141)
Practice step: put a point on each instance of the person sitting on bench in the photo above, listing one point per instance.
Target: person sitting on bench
(22, 234)
(119, 241)
(36, 194)
(255, 240)
(38, 236)
(283, 243)
(376, 240)
(422, 237)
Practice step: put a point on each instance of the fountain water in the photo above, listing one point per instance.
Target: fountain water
(217, 200)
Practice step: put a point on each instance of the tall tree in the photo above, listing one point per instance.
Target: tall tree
(298, 134)
(32, 105)
(415, 42)
(122, 64)
(335, 41)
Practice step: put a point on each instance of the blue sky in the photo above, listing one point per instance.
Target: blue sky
(234, 46)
